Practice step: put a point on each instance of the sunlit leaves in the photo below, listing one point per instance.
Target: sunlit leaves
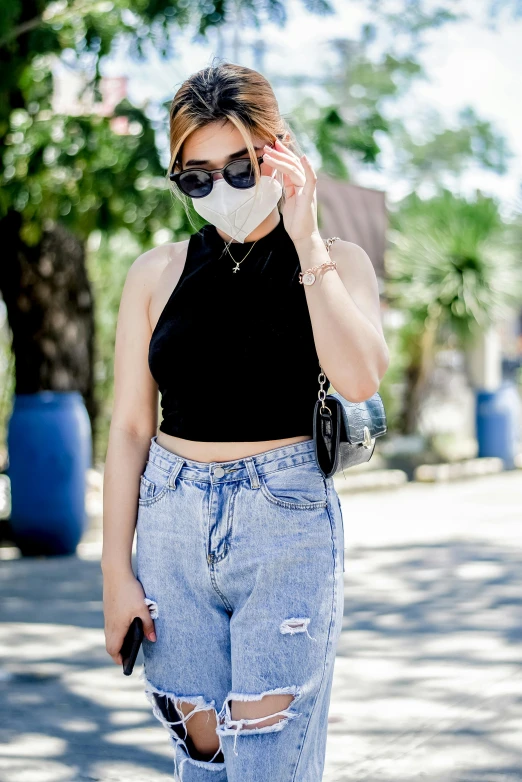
(450, 260)
(77, 170)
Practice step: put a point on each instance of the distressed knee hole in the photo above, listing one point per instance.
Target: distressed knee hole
(201, 730)
(270, 707)
(264, 713)
(199, 739)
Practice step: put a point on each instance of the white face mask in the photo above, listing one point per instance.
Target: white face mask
(238, 211)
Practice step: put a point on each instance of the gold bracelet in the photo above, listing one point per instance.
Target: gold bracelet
(308, 277)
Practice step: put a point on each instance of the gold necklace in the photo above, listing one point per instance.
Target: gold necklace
(236, 267)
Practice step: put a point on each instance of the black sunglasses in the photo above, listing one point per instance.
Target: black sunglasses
(198, 182)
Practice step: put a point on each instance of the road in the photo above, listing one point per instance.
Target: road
(428, 676)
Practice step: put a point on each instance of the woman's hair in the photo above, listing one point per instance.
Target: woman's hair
(226, 91)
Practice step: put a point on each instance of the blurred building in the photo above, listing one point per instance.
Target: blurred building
(356, 214)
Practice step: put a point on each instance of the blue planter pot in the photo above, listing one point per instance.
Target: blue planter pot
(49, 443)
(498, 416)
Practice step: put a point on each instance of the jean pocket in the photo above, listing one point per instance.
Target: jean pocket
(300, 487)
(154, 483)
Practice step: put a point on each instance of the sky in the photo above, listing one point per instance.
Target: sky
(466, 65)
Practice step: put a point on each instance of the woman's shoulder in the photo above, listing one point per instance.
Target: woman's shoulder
(153, 270)
(157, 258)
(152, 265)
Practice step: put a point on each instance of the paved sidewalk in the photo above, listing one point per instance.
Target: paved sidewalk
(428, 678)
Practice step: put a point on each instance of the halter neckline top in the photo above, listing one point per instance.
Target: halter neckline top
(239, 249)
(233, 352)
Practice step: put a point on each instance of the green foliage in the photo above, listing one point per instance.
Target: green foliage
(452, 272)
(473, 141)
(108, 260)
(392, 385)
(79, 171)
(351, 122)
(41, 26)
(412, 18)
(449, 261)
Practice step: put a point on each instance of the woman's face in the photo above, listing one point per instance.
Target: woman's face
(217, 144)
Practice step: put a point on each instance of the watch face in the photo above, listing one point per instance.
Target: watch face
(308, 278)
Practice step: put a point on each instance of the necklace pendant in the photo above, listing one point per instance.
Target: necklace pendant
(236, 268)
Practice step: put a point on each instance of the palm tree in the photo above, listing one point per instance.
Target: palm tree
(452, 271)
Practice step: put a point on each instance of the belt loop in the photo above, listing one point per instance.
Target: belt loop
(252, 472)
(176, 467)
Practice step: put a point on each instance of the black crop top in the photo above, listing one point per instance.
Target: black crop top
(233, 353)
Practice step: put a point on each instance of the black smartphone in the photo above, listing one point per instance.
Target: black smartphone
(131, 645)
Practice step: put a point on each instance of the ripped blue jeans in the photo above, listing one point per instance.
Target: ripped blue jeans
(242, 566)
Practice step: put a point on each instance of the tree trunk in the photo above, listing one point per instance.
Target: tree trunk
(50, 311)
(418, 374)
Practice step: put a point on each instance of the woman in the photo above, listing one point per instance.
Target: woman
(240, 553)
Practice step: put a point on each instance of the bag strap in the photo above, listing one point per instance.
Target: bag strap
(322, 393)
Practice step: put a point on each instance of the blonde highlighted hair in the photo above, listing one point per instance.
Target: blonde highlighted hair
(226, 91)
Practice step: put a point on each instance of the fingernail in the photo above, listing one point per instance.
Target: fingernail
(151, 636)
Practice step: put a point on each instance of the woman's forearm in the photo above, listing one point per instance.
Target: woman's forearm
(353, 353)
(124, 463)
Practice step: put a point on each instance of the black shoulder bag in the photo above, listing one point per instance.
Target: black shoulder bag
(344, 432)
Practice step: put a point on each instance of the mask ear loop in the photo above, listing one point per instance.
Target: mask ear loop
(273, 174)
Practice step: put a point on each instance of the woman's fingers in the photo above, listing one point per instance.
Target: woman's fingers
(283, 156)
(280, 147)
(297, 175)
(115, 639)
(311, 178)
(282, 152)
(113, 645)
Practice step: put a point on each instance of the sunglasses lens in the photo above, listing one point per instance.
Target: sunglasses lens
(195, 184)
(240, 173)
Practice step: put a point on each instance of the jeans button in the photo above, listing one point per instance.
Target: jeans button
(219, 472)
